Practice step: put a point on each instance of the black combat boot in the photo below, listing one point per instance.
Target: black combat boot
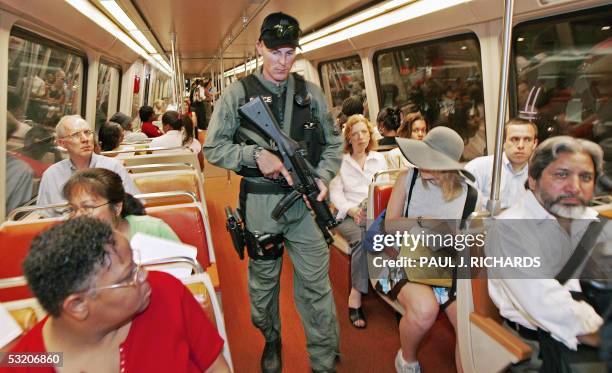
(271, 361)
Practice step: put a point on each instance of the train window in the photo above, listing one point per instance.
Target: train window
(341, 79)
(443, 80)
(107, 92)
(44, 83)
(563, 75)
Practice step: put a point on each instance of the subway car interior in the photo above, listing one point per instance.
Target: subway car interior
(110, 81)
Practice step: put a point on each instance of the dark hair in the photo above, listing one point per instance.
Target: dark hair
(62, 260)
(123, 120)
(390, 118)
(352, 105)
(13, 101)
(173, 119)
(110, 136)
(146, 113)
(189, 129)
(520, 122)
(106, 184)
(405, 129)
(38, 134)
(11, 128)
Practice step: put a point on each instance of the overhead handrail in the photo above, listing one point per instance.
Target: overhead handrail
(24, 209)
(197, 268)
(13, 282)
(137, 142)
(153, 149)
(161, 165)
(385, 172)
(156, 195)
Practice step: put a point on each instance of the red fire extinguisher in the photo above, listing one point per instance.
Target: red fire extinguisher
(136, 84)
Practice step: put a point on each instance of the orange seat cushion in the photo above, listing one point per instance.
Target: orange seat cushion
(16, 240)
(188, 223)
(382, 193)
(187, 182)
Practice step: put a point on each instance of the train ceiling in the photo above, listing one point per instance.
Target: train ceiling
(204, 27)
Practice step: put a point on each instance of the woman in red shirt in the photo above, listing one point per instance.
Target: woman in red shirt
(106, 312)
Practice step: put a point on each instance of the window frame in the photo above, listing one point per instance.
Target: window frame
(513, 97)
(416, 45)
(118, 67)
(31, 36)
(346, 58)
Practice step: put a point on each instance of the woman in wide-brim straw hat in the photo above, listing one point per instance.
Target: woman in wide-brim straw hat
(439, 191)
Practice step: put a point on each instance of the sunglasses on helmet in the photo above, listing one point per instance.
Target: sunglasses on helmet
(284, 31)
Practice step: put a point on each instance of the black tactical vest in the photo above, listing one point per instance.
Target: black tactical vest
(304, 128)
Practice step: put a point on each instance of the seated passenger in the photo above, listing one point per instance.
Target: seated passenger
(414, 127)
(107, 312)
(388, 120)
(75, 135)
(99, 193)
(15, 114)
(521, 138)
(189, 138)
(174, 136)
(548, 222)
(147, 116)
(128, 131)
(348, 191)
(39, 150)
(159, 107)
(438, 192)
(110, 136)
(20, 177)
(352, 105)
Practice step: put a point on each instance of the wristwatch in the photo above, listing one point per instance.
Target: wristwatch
(257, 152)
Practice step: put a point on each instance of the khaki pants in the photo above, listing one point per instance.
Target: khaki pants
(311, 286)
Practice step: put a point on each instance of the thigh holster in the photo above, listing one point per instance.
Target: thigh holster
(264, 246)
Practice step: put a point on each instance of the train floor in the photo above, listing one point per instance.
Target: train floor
(372, 349)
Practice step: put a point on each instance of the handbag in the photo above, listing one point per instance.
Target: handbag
(441, 276)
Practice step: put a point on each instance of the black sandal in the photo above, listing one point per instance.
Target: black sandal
(356, 314)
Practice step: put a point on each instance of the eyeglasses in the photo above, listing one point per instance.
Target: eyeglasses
(284, 31)
(87, 210)
(77, 135)
(137, 276)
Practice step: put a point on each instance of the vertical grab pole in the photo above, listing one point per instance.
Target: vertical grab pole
(493, 205)
(222, 71)
(174, 67)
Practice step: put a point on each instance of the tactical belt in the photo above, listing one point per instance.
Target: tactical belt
(247, 187)
(261, 245)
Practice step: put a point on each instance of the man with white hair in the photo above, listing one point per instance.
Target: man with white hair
(76, 136)
(549, 222)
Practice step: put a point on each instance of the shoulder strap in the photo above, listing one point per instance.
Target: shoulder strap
(582, 250)
(415, 173)
(470, 205)
(245, 85)
(300, 84)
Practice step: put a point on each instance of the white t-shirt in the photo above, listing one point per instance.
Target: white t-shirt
(174, 138)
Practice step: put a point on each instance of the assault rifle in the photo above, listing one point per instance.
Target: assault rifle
(294, 160)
